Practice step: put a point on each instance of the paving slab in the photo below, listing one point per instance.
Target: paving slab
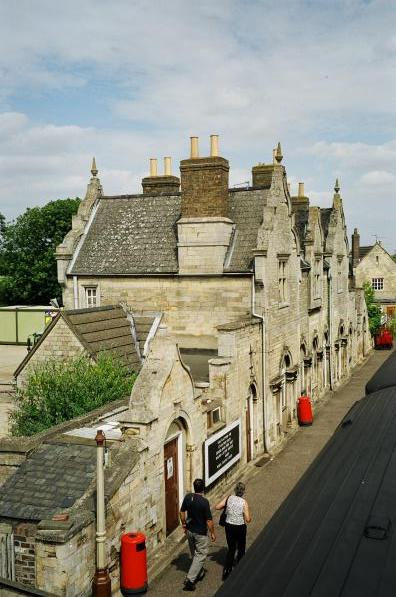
(269, 485)
(10, 357)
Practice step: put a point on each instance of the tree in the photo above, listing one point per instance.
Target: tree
(57, 391)
(28, 251)
(373, 309)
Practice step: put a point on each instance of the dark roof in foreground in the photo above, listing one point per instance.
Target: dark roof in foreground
(52, 478)
(137, 234)
(334, 534)
(384, 377)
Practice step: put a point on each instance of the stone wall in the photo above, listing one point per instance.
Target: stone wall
(60, 343)
(25, 556)
(193, 307)
(378, 264)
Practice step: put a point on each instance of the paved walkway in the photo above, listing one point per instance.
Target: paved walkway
(267, 487)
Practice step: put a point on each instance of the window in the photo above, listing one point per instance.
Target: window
(282, 280)
(91, 296)
(214, 417)
(377, 283)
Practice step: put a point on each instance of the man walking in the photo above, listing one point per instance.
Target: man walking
(196, 519)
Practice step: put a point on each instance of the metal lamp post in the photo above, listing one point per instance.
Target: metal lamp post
(101, 585)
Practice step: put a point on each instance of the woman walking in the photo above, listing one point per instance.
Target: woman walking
(237, 517)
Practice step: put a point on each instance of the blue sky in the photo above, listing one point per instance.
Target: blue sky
(128, 80)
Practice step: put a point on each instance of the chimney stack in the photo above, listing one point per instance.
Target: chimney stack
(168, 166)
(153, 167)
(204, 183)
(194, 148)
(301, 189)
(355, 247)
(214, 146)
(161, 185)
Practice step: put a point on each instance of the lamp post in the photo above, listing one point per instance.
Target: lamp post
(101, 585)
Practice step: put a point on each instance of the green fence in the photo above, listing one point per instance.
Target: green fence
(17, 323)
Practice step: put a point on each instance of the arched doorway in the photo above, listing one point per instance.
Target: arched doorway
(174, 458)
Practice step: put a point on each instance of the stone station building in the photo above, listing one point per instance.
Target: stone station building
(251, 306)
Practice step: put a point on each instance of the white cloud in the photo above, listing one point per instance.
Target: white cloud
(378, 178)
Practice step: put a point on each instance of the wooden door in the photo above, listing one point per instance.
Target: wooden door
(171, 486)
(248, 432)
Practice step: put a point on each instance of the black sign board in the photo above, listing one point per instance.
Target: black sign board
(222, 450)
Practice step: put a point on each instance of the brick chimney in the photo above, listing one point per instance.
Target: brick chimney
(165, 184)
(204, 183)
(204, 229)
(355, 247)
(262, 173)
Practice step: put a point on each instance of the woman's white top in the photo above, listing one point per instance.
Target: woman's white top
(234, 512)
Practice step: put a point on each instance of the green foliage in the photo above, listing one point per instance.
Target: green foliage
(57, 391)
(27, 251)
(373, 309)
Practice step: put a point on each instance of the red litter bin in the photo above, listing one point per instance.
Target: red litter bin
(304, 410)
(133, 562)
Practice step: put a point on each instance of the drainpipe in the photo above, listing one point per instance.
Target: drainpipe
(330, 324)
(101, 585)
(75, 292)
(265, 439)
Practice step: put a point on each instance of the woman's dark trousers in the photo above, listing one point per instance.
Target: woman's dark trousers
(236, 541)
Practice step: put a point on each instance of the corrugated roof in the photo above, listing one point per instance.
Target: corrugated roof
(52, 478)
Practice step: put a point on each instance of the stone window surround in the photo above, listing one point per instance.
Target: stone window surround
(283, 279)
(87, 298)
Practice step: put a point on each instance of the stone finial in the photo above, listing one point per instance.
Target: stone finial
(168, 166)
(94, 170)
(337, 186)
(301, 189)
(214, 146)
(153, 167)
(278, 154)
(194, 147)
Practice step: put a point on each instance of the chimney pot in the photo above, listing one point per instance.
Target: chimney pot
(194, 147)
(168, 166)
(214, 145)
(153, 167)
(301, 189)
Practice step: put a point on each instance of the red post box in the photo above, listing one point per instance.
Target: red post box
(133, 563)
(304, 410)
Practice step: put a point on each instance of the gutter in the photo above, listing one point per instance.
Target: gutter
(263, 371)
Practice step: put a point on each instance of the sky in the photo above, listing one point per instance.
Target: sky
(128, 80)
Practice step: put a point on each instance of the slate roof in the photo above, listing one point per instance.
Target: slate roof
(334, 534)
(103, 330)
(137, 234)
(52, 478)
(325, 213)
(301, 215)
(131, 234)
(246, 211)
(364, 250)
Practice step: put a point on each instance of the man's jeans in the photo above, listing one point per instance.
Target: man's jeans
(199, 547)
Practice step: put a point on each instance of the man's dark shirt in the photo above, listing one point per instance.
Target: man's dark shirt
(198, 513)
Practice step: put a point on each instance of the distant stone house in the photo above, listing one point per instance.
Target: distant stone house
(373, 264)
(252, 305)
